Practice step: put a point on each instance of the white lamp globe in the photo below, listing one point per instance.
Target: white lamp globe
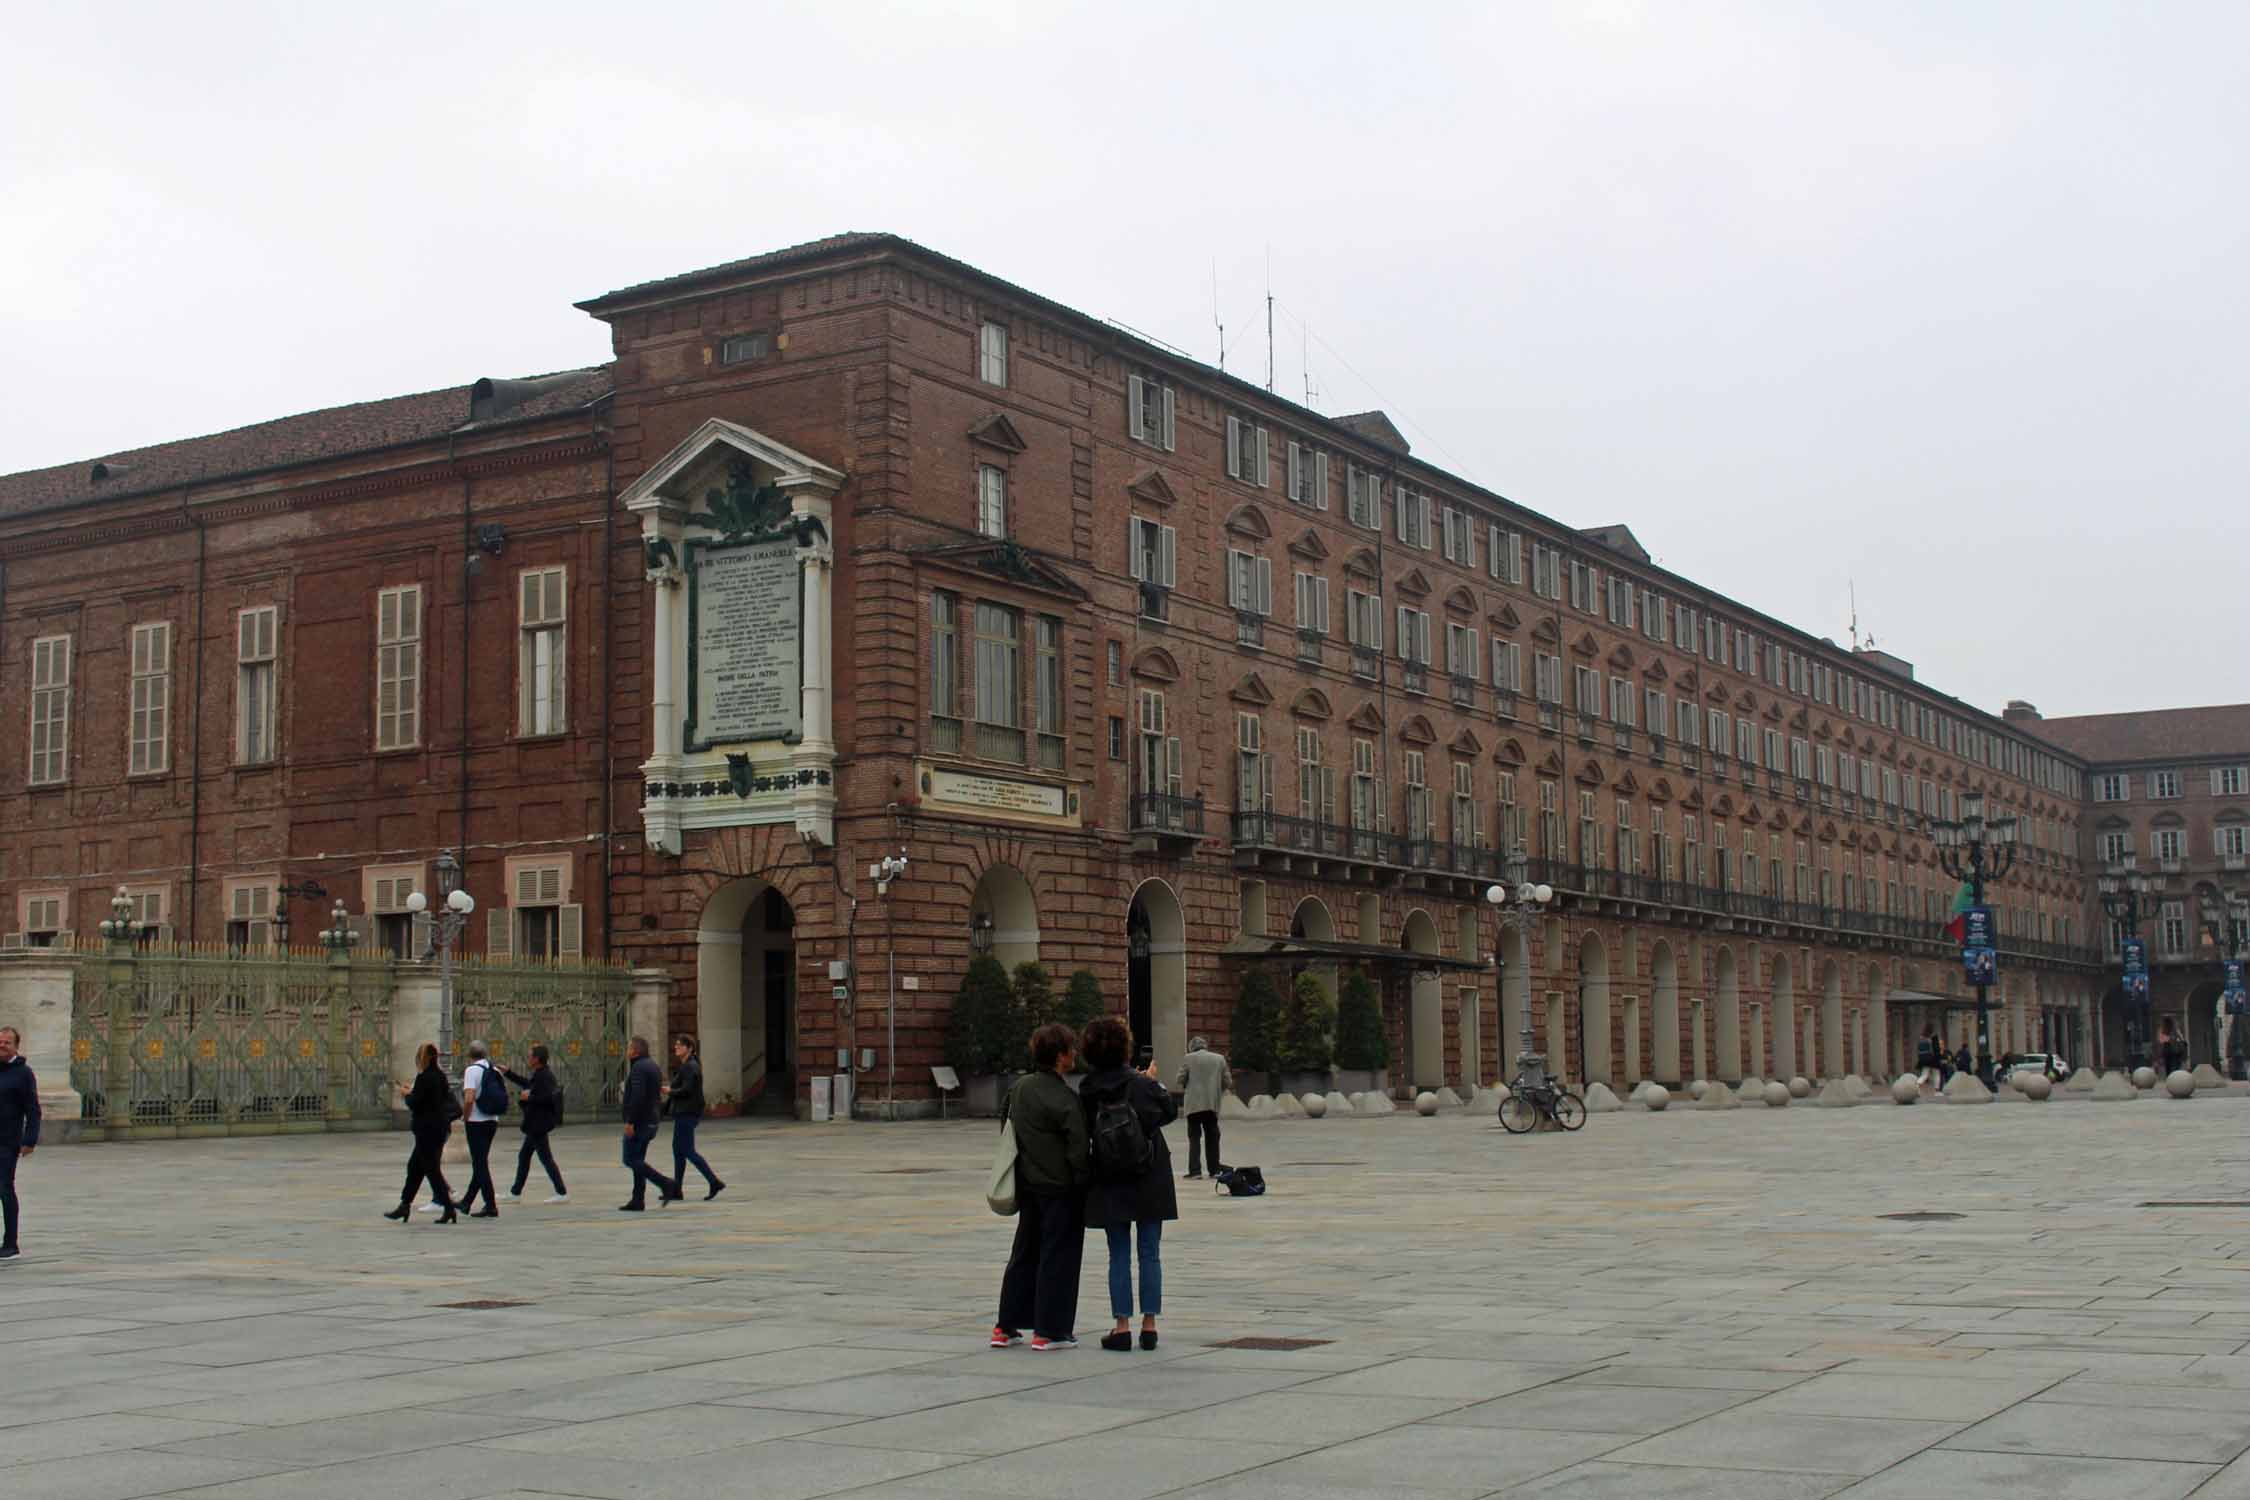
(417, 903)
(1495, 894)
(1545, 894)
(462, 902)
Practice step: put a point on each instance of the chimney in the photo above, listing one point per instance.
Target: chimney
(2020, 712)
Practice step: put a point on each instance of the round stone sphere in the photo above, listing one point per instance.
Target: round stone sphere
(2033, 1086)
(1315, 1106)
(1425, 1103)
(1800, 1088)
(1906, 1089)
(1698, 1089)
(2180, 1084)
(1778, 1095)
(2144, 1078)
(1656, 1096)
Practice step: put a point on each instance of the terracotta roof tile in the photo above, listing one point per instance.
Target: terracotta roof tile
(304, 438)
(2161, 734)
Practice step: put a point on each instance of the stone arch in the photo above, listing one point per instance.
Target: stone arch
(1156, 971)
(1312, 922)
(1727, 984)
(1832, 1062)
(1782, 995)
(1664, 1015)
(1593, 1010)
(1425, 1017)
(745, 995)
(1003, 898)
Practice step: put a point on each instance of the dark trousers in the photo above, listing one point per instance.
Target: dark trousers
(480, 1134)
(535, 1144)
(1202, 1125)
(8, 1208)
(1039, 1290)
(683, 1151)
(429, 1146)
(636, 1162)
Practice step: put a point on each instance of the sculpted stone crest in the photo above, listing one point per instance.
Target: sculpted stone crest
(742, 507)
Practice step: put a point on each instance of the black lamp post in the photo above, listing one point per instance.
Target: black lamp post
(1518, 901)
(1977, 850)
(447, 922)
(309, 890)
(2128, 897)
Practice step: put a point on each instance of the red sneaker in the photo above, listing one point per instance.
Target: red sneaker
(1040, 1343)
(1003, 1338)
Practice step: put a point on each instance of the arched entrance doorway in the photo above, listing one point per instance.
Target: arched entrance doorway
(746, 997)
(1156, 973)
(1729, 1066)
(1003, 914)
(1425, 1015)
(1665, 977)
(1593, 1010)
(1784, 1021)
(1831, 1063)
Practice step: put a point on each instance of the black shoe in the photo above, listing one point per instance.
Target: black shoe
(716, 1189)
(1195, 1176)
(400, 1213)
(632, 1208)
(673, 1196)
(1117, 1342)
(489, 1211)
(9, 1252)
(1148, 1338)
(450, 1214)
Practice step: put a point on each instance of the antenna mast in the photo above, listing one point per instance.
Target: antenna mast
(1269, 320)
(1215, 319)
(1855, 615)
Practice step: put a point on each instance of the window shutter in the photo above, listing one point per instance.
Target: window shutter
(1234, 448)
(1133, 527)
(261, 936)
(1235, 561)
(1168, 555)
(1320, 599)
(1320, 479)
(1136, 404)
(1265, 586)
(1405, 635)
(1296, 477)
(1265, 473)
(570, 932)
(1167, 405)
(1399, 503)
(1172, 765)
(499, 932)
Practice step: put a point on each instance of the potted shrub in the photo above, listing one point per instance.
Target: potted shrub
(985, 1037)
(1035, 996)
(1254, 1034)
(1081, 1001)
(1305, 1051)
(1363, 1052)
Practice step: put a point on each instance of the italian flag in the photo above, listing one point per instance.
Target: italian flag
(1957, 923)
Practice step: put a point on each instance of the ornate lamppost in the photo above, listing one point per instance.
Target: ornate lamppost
(119, 926)
(1517, 902)
(310, 890)
(1977, 851)
(2129, 896)
(446, 925)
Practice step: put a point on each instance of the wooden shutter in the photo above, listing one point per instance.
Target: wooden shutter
(1167, 405)
(499, 932)
(1133, 525)
(1263, 575)
(570, 931)
(1265, 470)
(1234, 448)
(1168, 555)
(1136, 404)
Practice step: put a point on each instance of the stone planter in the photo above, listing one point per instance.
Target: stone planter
(981, 1093)
(1363, 1080)
(1302, 1082)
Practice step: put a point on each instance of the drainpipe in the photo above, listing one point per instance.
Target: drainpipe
(609, 680)
(468, 599)
(851, 955)
(195, 755)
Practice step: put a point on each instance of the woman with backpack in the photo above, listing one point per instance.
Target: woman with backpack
(1133, 1193)
(432, 1108)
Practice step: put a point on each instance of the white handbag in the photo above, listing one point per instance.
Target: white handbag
(1001, 1196)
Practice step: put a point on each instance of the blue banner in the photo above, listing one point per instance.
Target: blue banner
(1982, 965)
(1976, 930)
(2136, 958)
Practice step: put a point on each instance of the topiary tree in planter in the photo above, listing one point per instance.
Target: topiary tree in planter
(1303, 1044)
(985, 1036)
(1362, 1048)
(1035, 996)
(1254, 1035)
(1081, 1001)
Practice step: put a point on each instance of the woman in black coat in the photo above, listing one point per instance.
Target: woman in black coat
(1136, 1201)
(542, 1112)
(432, 1107)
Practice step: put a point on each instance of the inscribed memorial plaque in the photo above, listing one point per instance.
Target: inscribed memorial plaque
(745, 614)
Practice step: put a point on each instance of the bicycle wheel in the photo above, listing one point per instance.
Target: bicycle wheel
(1569, 1113)
(1517, 1114)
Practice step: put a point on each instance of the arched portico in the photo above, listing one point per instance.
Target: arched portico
(1003, 900)
(1425, 1019)
(1831, 1063)
(745, 997)
(1729, 1027)
(1784, 1020)
(1156, 972)
(1593, 1010)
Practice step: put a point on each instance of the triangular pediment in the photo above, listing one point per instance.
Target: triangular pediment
(1747, 702)
(1629, 785)
(1773, 711)
(1309, 546)
(1466, 743)
(1690, 681)
(1693, 801)
(1550, 764)
(1251, 689)
(1851, 838)
(1828, 831)
(1804, 826)
(1802, 719)
(1546, 632)
(681, 481)
(1366, 718)
(1590, 773)
(1151, 488)
(1823, 732)
(1510, 753)
(1312, 703)
(1723, 807)
(1753, 813)
(1657, 671)
(1587, 646)
(1247, 521)
(996, 431)
(1362, 563)
(1661, 792)
(1005, 559)
(1622, 658)
(1504, 617)
(1414, 585)
(1717, 692)
(1461, 602)
(1779, 819)
(1417, 731)
(1156, 665)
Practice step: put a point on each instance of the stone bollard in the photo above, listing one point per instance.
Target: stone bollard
(1600, 1100)
(1339, 1103)
(2034, 1086)
(1656, 1097)
(1967, 1088)
(2082, 1082)
(2114, 1088)
(1698, 1089)
(1314, 1105)
(2207, 1077)
(1906, 1089)
(2144, 1078)
(1715, 1096)
(1833, 1095)
(1777, 1095)
(1800, 1088)
(2180, 1084)
(1425, 1104)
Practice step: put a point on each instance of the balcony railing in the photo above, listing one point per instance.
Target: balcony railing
(1656, 748)
(1621, 735)
(1550, 716)
(1464, 692)
(1156, 601)
(1308, 646)
(1585, 729)
(1367, 662)
(1504, 702)
(1249, 628)
(1000, 742)
(1415, 677)
(1163, 812)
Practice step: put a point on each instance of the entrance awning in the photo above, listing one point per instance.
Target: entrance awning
(1370, 955)
(1924, 997)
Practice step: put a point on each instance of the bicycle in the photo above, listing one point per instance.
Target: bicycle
(1528, 1100)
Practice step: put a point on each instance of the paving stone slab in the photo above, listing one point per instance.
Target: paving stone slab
(1788, 1441)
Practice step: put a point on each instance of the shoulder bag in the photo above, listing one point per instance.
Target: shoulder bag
(1000, 1197)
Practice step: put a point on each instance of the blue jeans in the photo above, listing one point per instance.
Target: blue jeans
(636, 1162)
(1149, 1233)
(683, 1151)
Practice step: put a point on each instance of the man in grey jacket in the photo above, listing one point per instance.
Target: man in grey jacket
(1203, 1081)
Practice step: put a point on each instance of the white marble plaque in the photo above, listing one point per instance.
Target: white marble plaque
(1000, 794)
(744, 617)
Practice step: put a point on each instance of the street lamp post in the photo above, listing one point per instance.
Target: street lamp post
(446, 925)
(2129, 896)
(310, 890)
(1977, 850)
(1516, 903)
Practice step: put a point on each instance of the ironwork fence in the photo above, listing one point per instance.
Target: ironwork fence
(578, 1011)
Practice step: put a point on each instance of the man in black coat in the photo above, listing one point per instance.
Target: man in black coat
(644, 1099)
(542, 1112)
(19, 1127)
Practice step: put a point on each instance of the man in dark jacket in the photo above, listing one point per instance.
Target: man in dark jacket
(644, 1096)
(1039, 1289)
(19, 1127)
(542, 1112)
(683, 1101)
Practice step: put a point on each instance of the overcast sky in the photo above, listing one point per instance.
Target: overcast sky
(1945, 301)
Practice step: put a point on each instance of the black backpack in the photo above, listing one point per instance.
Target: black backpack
(1239, 1182)
(492, 1091)
(1121, 1148)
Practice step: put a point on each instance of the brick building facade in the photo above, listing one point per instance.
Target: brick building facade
(1143, 670)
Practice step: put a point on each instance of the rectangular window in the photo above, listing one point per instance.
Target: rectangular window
(1621, 710)
(1047, 695)
(1581, 586)
(1116, 655)
(1312, 603)
(1116, 737)
(992, 354)
(1459, 536)
(150, 748)
(999, 684)
(2164, 783)
(992, 500)
(1253, 768)
(1316, 783)
(741, 348)
(1153, 552)
(1417, 797)
(1587, 684)
(41, 915)
(1547, 677)
(2172, 930)
(1158, 764)
(1148, 411)
(1364, 619)
(2228, 781)
(1589, 833)
(50, 709)
(1461, 651)
(1511, 817)
(1466, 830)
(1657, 718)
(1366, 805)
(1413, 509)
(1250, 583)
(540, 673)
(1363, 496)
(1691, 723)
(398, 667)
(256, 654)
(2230, 841)
(1414, 636)
(1507, 667)
(539, 922)
(1503, 554)
(1308, 476)
(250, 917)
(2171, 844)
(945, 673)
(1246, 451)
(1546, 571)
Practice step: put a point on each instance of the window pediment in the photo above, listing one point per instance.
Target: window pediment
(1251, 689)
(1417, 731)
(1466, 743)
(1622, 659)
(1509, 753)
(1414, 585)
(1657, 671)
(1309, 546)
(1361, 563)
(996, 431)
(1587, 646)
(1461, 603)
(1366, 718)
(1248, 521)
(1504, 617)
(1550, 764)
(1590, 773)
(1152, 488)
(1312, 703)
(1156, 665)
(1693, 801)
(1661, 792)
(1545, 633)
(1629, 785)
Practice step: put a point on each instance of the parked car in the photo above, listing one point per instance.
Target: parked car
(2043, 1062)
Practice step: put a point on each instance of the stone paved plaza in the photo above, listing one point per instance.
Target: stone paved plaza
(1691, 1303)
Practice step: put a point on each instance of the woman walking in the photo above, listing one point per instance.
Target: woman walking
(683, 1100)
(1132, 1194)
(542, 1112)
(1039, 1290)
(432, 1109)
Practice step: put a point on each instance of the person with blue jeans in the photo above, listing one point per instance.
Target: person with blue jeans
(1129, 1206)
(644, 1096)
(683, 1101)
